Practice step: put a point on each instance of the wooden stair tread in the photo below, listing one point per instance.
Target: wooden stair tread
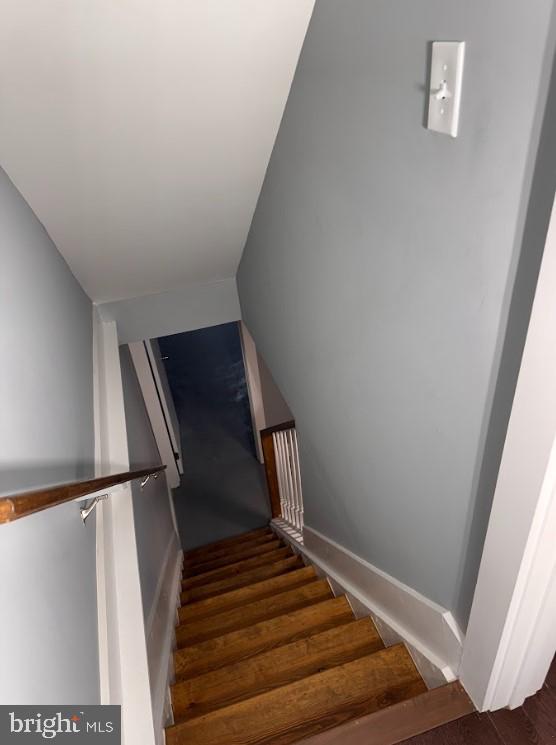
(222, 561)
(402, 721)
(229, 551)
(232, 540)
(236, 568)
(244, 595)
(277, 667)
(236, 581)
(261, 637)
(199, 630)
(305, 707)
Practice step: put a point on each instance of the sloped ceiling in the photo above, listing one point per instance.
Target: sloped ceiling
(139, 131)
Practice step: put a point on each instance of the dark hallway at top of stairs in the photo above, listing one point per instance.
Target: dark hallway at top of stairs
(222, 492)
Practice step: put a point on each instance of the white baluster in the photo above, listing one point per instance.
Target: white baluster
(279, 471)
(295, 493)
(298, 476)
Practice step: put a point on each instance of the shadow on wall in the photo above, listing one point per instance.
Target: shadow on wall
(223, 491)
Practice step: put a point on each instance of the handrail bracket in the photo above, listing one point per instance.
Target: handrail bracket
(86, 511)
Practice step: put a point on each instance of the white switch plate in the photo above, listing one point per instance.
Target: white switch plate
(445, 86)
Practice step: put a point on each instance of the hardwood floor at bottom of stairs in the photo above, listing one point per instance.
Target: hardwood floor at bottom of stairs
(313, 704)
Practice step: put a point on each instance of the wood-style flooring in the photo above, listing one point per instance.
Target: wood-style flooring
(534, 723)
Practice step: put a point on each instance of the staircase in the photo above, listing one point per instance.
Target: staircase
(267, 654)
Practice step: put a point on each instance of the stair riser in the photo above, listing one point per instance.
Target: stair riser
(241, 580)
(230, 552)
(282, 666)
(234, 569)
(248, 553)
(185, 640)
(234, 647)
(238, 598)
(308, 706)
(226, 542)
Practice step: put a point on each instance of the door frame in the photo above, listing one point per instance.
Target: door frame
(511, 636)
(153, 396)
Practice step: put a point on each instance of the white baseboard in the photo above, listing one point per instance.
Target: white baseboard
(401, 613)
(160, 630)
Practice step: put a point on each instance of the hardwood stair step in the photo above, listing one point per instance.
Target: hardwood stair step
(199, 630)
(280, 666)
(232, 569)
(404, 720)
(222, 561)
(261, 637)
(276, 569)
(232, 540)
(229, 551)
(245, 595)
(305, 707)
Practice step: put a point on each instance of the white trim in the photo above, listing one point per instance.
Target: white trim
(154, 410)
(161, 634)
(420, 622)
(163, 388)
(124, 671)
(110, 457)
(511, 637)
(254, 387)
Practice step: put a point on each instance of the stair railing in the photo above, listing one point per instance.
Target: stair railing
(16, 506)
(283, 475)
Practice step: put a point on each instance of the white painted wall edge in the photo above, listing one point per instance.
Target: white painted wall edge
(151, 395)
(122, 643)
(253, 379)
(163, 389)
(160, 629)
(511, 637)
(420, 622)
(111, 456)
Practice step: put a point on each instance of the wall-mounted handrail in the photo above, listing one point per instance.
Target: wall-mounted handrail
(19, 505)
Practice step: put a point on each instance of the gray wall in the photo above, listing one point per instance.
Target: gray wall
(151, 507)
(378, 274)
(276, 410)
(48, 621)
(172, 312)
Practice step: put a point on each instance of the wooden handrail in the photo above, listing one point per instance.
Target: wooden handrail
(19, 505)
(278, 428)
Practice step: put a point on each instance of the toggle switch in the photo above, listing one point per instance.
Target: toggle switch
(445, 86)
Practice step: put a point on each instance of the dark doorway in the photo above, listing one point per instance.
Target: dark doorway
(222, 490)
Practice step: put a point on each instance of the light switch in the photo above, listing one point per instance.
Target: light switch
(445, 86)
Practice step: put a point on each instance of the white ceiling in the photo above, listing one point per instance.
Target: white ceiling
(139, 131)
